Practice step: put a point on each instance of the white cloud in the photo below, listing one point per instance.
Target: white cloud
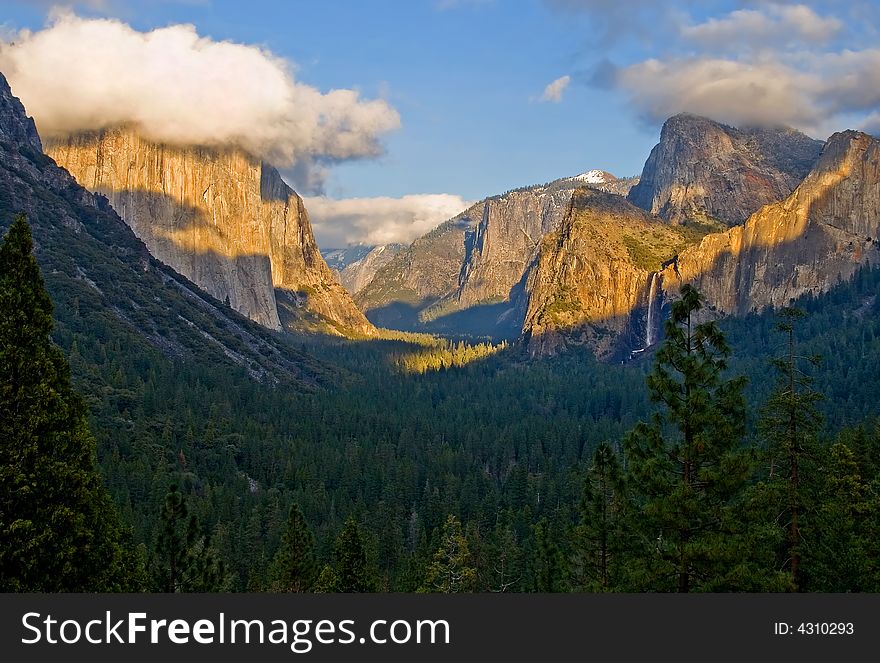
(380, 220)
(807, 92)
(771, 26)
(175, 86)
(554, 91)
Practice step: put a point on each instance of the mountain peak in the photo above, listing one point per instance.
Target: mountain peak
(595, 177)
(705, 171)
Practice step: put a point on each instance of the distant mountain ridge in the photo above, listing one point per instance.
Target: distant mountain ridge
(357, 265)
(467, 275)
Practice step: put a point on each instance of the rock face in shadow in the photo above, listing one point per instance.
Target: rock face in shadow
(705, 171)
(222, 219)
(473, 266)
(821, 234)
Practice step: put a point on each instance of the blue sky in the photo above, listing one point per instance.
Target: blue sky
(467, 76)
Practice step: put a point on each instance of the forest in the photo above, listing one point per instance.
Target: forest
(738, 455)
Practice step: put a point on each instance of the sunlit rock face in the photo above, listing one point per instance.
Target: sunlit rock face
(224, 220)
(591, 282)
(702, 170)
(471, 269)
(821, 234)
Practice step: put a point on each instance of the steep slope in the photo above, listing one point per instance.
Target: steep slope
(594, 281)
(466, 276)
(222, 219)
(105, 285)
(339, 259)
(705, 171)
(357, 274)
(821, 234)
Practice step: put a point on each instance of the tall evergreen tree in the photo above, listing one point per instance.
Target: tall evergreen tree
(451, 571)
(58, 529)
(548, 559)
(184, 560)
(687, 468)
(353, 573)
(790, 424)
(599, 543)
(840, 553)
(294, 568)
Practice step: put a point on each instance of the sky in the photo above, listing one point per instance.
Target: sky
(390, 116)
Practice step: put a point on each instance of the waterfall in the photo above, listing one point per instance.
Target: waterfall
(651, 325)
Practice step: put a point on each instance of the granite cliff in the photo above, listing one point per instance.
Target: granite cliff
(106, 287)
(468, 274)
(593, 282)
(222, 219)
(597, 283)
(704, 171)
(821, 234)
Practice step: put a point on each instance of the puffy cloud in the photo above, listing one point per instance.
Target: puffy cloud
(770, 26)
(175, 86)
(807, 94)
(554, 91)
(380, 220)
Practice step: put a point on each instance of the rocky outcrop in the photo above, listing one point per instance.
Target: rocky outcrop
(471, 269)
(499, 248)
(591, 283)
(704, 171)
(222, 219)
(821, 234)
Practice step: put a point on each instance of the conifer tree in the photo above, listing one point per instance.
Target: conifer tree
(451, 572)
(58, 528)
(599, 538)
(840, 551)
(549, 568)
(294, 568)
(327, 581)
(790, 424)
(353, 574)
(686, 467)
(184, 560)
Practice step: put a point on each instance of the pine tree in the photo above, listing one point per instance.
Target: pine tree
(790, 424)
(353, 574)
(58, 528)
(549, 568)
(599, 538)
(451, 571)
(184, 560)
(687, 468)
(294, 568)
(327, 581)
(839, 555)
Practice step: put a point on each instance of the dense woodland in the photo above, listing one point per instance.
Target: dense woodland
(739, 455)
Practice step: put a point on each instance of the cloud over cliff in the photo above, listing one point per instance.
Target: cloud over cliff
(380, 220)
(176, 86)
